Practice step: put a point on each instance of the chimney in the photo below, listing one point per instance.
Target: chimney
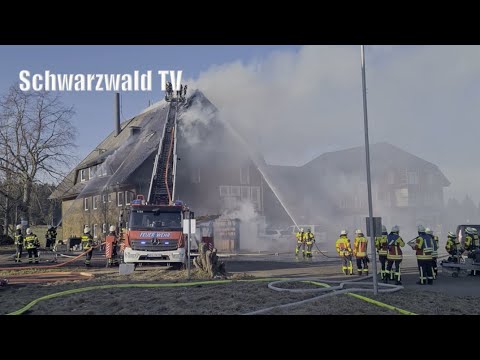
(117, 113)
(134, 130)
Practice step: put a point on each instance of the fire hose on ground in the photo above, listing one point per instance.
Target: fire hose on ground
(336, 290)
(332, 291)
(14, 268)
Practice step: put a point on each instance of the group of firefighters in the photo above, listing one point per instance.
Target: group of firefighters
(389, 248)
(31, 243)
(181, 94)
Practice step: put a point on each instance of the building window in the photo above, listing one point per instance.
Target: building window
(245, 192)
(230, 202)
(235, 191)
(104, 228)
(255, 195)
(430, 179)
(391, 178)
(343, 204)
(92, 172)
(104, 198)
(95, 231)
(83, 175)
(109, 197)
(94, 202)
(120, 199)
(101, 170)
(128, 197)
(86, 203)
(245, 175)
(223, 190)
(412, 178)
(196, 176)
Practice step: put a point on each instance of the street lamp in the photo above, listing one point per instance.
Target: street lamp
(369, 184)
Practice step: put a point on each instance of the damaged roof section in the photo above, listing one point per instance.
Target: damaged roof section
(117, 157)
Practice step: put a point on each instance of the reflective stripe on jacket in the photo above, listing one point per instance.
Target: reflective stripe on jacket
(395, 243)
(360, 247)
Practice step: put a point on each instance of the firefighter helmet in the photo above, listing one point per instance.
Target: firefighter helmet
(19, 227)
(469, 231)
(343, 232)
(301, 229)
(86, 229)
(358, 231)
(309, 230)
(112, 228)
(421, 228)
(395, 229)
(474, 230)
(29, 231)
(428, 231)
(452, 235)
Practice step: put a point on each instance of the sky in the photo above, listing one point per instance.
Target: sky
(293, 103)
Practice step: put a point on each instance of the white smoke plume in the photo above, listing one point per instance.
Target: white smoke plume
(295, 105)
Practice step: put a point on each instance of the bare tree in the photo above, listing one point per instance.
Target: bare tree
(36, 139)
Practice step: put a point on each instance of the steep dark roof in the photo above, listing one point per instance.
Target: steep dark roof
(383, 155)
(125, 153)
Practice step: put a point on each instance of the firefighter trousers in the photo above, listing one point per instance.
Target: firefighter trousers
(88, 258)
(114, 259)
(309, 249)
(347, 266)
(425, 269)
(434, 267)
(393, 275)
(362, 265)
(18, 254)
(300, 244)
(383, 261)
(32, 253)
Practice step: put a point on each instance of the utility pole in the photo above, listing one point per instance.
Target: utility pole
(369, 183)
(188, 242)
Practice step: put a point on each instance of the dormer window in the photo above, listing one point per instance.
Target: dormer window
(92, 172)
(83, 175)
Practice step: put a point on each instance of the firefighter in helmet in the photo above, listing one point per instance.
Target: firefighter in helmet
(31, 244)
(428, 231)
(50, 237)
(113, 260)
(381, 246)
(360, 252)
(423, 249)
(300, 235)
(344, 250)
(87, 245)
(472, 243)
(18, 243)
(394, 255)
(453, 247)
(309, 241)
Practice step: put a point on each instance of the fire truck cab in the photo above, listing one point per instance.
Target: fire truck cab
(154, 234)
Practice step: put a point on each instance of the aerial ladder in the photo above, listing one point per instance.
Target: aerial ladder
(162, 183)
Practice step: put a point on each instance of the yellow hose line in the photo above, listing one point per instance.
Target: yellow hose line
(379, 303)
(123, 286)
(369, 300)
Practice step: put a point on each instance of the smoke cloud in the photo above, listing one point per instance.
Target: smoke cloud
(293, 106)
